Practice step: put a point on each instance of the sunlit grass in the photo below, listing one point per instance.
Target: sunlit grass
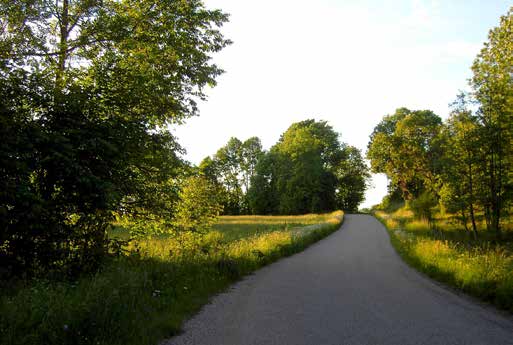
(232, 228)
(235, 227)
(416, 225)
(482, 268)
(144, 296)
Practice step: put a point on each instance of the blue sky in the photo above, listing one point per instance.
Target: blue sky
(347, 62)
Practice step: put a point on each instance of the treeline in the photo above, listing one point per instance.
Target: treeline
(307, 171)
(464, 164)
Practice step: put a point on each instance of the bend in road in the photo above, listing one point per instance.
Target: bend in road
(349, 288)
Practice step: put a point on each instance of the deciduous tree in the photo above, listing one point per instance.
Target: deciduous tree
(492, 85)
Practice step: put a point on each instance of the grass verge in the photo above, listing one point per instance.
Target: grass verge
(144, 296)
(482, 269)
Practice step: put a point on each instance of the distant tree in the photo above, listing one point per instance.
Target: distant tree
(227, 162)
(300, 187)
(307, 171)
(250, 154)
(262, 193)
(232, 167)
(353, 175)
(382, 147)
(406, 147)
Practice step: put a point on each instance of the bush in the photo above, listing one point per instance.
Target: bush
(423, 206)
(62, 177)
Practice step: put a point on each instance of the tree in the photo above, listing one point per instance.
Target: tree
(262, 194)
(250, 154)
(232, 168)
(492, 86)
(406, 147)
(198, 206)
(227, 166)
(308, 171)
(116, 49)
(463, 175)
(87, 89)
(352, 174)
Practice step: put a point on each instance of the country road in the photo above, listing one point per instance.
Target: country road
(349, 288)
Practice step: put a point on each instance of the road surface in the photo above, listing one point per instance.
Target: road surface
(349, 288)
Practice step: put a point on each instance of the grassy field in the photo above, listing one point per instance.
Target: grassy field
(481, 268)
(144, 295)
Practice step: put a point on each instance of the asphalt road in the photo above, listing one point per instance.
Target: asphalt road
(349, 288)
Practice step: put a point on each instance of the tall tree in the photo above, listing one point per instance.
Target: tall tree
(307, 171)
(463, 174)
(352, 174)
(227, 163)
(87, 88)
(232, 168)
(159, 51)
(405, 146)
(262, 194)
(250, 154)
(492, 85)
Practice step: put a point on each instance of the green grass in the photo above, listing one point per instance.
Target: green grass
(480, 268)
(237, 227)
(145, 295)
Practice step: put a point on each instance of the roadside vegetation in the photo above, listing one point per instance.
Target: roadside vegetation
(450, 196)
(482, 268)
(143, 295)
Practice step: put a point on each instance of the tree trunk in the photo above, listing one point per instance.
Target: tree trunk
(495, 177)
(63, 48)
(465, 224)
(471, 202)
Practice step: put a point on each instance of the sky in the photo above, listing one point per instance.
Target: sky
(349, 62)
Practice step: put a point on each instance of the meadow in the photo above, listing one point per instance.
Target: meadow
(482, 268)
(145, 293)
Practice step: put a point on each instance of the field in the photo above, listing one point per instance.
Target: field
(482, 268)
(145, 294)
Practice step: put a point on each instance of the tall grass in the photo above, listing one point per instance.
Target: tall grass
(145, 295)
(482, 268)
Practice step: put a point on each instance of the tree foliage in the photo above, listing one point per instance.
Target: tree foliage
(406, 147)
(232, 168)
(87, 88)
(463, 173)
(199, 205)
(308, 171)
(492, 85)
